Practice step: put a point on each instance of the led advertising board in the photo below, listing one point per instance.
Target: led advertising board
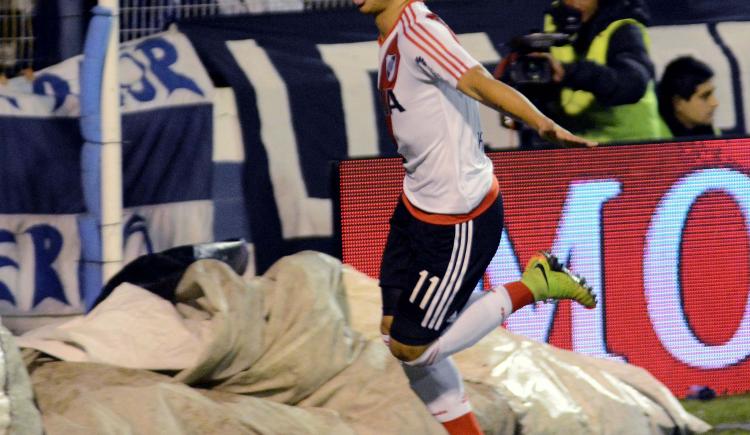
(662, 232)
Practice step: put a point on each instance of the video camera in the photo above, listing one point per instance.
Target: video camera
(520, 67)
(525, 69)
(532, 75)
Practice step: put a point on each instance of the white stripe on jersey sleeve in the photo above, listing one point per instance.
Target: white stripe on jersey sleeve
(442, 56)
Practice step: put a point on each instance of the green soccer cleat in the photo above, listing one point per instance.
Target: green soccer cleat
(548, 279)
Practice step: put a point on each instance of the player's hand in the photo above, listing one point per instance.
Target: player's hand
(553, 133)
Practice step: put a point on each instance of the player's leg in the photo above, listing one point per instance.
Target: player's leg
(448, 262)
(429, 277)
(543, 278)
(395, 266)
(440, 387)
(451, 260)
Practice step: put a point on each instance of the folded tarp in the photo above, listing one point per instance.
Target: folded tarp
(18, 415)
(298, 351)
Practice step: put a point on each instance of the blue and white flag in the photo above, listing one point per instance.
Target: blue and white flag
(167, 127)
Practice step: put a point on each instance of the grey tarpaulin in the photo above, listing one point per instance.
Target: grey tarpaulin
(297, 351)
(18, 415)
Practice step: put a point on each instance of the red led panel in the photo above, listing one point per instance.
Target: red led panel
(662, 232)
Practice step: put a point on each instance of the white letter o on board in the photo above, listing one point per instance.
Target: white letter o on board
(661, 270)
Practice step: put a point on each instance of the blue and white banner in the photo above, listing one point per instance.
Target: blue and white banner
(155, 72)
(305, 87)
(167, 128)
(39, 254)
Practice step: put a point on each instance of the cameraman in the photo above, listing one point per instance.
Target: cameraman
(605, 75)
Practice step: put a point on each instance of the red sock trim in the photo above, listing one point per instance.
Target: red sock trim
(466, 424)
(520, 295)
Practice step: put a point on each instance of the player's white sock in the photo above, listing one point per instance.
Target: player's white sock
(473, 323)
(440, 388)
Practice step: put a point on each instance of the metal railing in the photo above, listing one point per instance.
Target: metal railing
(16, 37)
(138, 18)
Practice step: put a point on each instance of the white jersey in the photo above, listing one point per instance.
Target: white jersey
(435, 126)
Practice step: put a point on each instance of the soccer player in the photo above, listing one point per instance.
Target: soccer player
(447, 225)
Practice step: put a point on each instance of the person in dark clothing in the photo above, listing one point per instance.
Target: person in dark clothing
(687, 101)
(605, 75)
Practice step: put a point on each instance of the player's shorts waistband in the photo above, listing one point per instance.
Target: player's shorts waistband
(453, 219)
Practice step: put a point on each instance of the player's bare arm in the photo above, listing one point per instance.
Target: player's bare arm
(479, 84)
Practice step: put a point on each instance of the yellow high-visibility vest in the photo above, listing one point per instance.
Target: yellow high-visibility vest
(628, 122)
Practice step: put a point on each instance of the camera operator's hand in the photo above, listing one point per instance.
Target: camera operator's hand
(558, 71)
(553, 133)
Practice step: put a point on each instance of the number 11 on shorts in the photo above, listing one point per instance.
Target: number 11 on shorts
(433, 283)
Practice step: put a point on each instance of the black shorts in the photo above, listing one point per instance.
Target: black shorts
(429, 271)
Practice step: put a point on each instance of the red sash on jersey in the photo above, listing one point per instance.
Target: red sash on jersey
(453, 219)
